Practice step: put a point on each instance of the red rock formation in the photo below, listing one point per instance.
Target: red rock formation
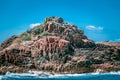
(7, 42)
(59, 47)
(50, 45)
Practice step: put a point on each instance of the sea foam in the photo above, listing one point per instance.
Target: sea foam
(41, 74)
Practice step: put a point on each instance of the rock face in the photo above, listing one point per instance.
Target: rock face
(8, 42)
(60, 47)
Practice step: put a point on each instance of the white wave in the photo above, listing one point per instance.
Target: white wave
(1, 76)
(51, 75)
(113, 72)
(42, 74)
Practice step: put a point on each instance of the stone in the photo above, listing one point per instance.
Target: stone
(60, 47)
(7, 42)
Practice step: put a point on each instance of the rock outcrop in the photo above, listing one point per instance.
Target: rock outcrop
(57, 46)
(8, 42)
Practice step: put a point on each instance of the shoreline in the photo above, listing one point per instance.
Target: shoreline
(15, 69)
(42, 74)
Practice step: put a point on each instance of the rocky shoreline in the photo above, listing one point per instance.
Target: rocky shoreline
(15, 69)
(56, 46)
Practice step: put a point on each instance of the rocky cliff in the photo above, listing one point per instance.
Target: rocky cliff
(57, 46)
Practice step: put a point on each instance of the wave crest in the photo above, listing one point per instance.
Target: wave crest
(41, 74)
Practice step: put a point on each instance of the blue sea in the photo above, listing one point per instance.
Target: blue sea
(48, 76)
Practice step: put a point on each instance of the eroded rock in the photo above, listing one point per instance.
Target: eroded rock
(57, 46)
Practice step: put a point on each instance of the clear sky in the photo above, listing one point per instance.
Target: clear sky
(100, 19)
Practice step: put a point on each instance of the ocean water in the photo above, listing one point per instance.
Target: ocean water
(48, 76)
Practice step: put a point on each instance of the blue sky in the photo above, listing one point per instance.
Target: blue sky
(100, 19)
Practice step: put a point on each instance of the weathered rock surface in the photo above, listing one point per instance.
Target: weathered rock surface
(57, 46)
(8, 42)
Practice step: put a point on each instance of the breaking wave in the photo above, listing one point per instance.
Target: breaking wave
(39, 75)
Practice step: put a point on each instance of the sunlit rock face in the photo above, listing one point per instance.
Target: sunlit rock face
(57, 46)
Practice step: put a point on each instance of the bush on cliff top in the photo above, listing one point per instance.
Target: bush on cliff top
(25, 36)
(36, 30)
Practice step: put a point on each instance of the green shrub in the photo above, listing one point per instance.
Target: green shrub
(18, 41)
(46, 33)
(36, 30)
(33, 48)
(25, 36)
(48, 19)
